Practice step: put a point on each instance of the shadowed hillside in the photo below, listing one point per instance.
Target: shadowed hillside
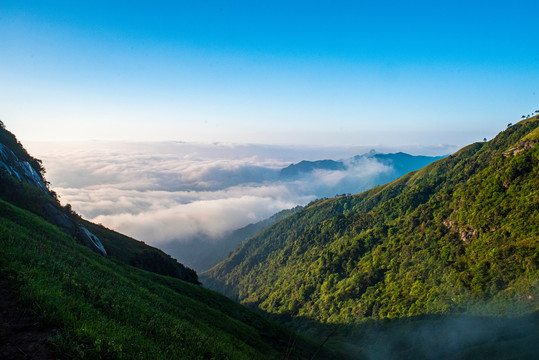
(66, 299)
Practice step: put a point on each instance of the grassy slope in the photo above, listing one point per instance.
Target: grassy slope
(110, 310)
(137, 253)
(459, 234)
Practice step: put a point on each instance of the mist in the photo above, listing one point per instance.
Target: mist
(443, 337)
(177, 192)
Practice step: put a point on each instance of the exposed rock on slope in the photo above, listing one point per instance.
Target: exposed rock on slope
(31, 172)
(21, 169)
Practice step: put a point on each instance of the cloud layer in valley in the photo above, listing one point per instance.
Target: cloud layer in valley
(173, 191)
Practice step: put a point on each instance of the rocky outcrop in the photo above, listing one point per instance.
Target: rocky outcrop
(42, 202)
(21, 169)
(466, 233)
(520, 147)
(91, 241)
(60, 219)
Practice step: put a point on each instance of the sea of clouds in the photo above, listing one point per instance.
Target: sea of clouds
(175, 191)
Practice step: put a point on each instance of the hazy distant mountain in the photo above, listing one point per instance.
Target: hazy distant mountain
(203, 254)
(305, 167)
(400, 162)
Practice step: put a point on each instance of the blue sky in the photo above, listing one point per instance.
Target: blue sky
(319, 73)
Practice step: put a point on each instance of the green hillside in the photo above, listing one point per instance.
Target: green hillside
(138, 254)
(73, 289)
(458, 236)
(103, 308)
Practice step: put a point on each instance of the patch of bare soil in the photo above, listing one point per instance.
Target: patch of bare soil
(21, 334)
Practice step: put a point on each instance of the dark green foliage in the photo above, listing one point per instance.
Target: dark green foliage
(108, 310)
(459, 235)
(137, 253)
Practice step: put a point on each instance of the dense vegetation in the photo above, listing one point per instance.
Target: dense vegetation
(106, 309)
(460, 235)
(138, 254)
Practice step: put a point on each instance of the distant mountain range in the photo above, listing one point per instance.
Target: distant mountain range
(401, 163)
(327, 178)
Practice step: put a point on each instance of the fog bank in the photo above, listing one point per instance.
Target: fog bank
(174, 191)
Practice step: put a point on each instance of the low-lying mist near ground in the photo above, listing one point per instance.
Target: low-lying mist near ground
(447, 337)
(174, 191)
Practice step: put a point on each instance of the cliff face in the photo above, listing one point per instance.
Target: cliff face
(22, 182)
(22, 170)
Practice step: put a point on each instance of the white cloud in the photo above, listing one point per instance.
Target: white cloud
(211, 218)
(158, 192)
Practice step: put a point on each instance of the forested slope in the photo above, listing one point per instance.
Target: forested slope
(460, 235)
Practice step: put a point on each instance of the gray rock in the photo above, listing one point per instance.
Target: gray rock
(21, 169)
(91, 241)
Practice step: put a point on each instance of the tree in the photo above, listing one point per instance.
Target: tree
(485, 139)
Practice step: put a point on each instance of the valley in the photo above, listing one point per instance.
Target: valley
(448, 251)
(269, 180)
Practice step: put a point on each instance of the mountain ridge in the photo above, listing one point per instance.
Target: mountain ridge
(334, 258)
(401, 163)
(128, 303)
